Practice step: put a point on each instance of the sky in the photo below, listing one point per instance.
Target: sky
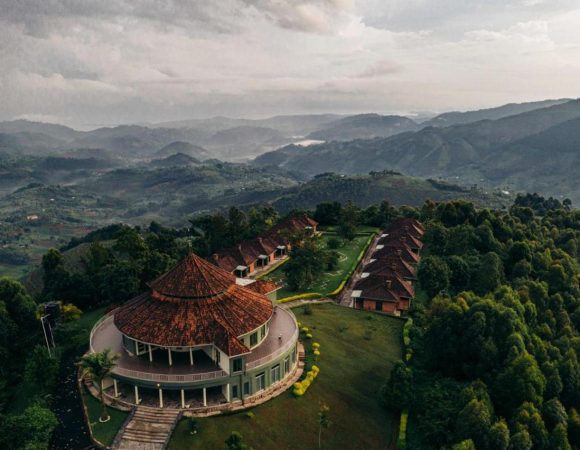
(106, 62)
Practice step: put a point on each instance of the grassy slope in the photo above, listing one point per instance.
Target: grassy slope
(329, 281)
(352, 371)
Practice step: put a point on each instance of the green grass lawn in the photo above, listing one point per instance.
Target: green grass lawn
(352, 370)
(103, 432)
(329, 281)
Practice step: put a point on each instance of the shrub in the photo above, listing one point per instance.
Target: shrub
(315, 345)
(308, 335)
(342, 327)
(250, 415)
(307, 310)
(316, 353)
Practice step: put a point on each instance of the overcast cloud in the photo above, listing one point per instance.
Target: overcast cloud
(121, 61)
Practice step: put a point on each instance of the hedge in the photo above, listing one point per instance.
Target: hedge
(301, 297)
(271, 269)
(402, 441)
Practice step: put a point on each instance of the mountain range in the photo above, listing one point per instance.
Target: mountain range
(537, 150)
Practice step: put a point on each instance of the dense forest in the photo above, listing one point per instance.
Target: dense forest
(492, 362)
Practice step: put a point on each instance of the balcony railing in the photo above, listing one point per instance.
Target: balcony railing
(151, 376)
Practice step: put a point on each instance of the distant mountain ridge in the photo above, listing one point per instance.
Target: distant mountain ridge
(460, 118)
(471, 152)
(364, 126)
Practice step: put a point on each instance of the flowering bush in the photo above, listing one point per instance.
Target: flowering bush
(308, 335)
(315, 345)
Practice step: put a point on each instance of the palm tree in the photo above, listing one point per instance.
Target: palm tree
(323, 422)
(98, 366)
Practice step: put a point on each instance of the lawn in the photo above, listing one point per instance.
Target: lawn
(348, 258)
(358, 350)
(103, 432)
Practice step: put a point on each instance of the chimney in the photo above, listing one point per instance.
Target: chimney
(394, 267)
(260, 240)
(215, 256)
(399, 252)
(389, 283)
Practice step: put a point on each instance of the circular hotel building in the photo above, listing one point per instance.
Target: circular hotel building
(198, 340)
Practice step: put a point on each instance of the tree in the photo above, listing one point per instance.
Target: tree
(307, 262)
(30, 430)
(323, 422)
(42, 369)
(521, 441)
(328, 213)
(433, 275)
(474, 422)
(397, 392)
(98, 366)
(559, 438)
(499, 436)
(235, 442)
(521, 381)
(490, 273)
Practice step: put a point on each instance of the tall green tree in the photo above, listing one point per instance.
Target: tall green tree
(98, 366)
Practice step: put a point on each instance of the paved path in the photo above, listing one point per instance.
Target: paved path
(148, 429)
(345, 298)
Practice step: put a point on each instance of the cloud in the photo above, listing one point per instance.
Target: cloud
(145, 60)
(380, 69)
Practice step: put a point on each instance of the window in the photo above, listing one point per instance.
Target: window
(294, 355)
(263, 332)
(275, 373)
(247, 388)
(287, 365)
(253, 339)
(378, 306)
(237, 365)
(261, 382)
(235, 393)
(217, 356)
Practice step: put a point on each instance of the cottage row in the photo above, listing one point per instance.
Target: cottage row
(386, 281)
(249, 256)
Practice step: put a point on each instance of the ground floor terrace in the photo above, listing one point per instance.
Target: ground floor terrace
(196, 378)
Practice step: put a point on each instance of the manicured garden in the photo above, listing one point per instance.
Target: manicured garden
(358, 350)
(349, 255)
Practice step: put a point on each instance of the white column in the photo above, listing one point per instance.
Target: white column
(116, 388)
(150, 353)
(191, 356)
(170, 360)
(137, 399)
(183, 399)
(228, 392)
(204, 397)
(160, 398)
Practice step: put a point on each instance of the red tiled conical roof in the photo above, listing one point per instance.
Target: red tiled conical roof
(194, 303)
(193, 277)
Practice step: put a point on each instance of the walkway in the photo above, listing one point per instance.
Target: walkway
(148, 429)
(345, 298)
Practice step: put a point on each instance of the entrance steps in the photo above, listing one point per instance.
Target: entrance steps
(148, 429)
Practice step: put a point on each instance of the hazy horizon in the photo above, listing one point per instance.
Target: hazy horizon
(146, 61)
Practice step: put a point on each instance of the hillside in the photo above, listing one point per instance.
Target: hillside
(467, 153)
(176, 159)
(364, 126)
(186, 148)
(370, 189)
(459, 118)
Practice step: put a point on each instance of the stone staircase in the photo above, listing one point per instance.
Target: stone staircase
(148, 429)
